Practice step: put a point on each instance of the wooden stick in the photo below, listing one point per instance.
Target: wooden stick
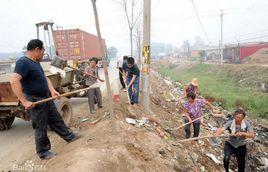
(83, 72)
(125, 85)
(204, 137)
(190, 122)
(63, 95)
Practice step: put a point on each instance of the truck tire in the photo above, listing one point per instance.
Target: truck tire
(5, 123)
(65, 109)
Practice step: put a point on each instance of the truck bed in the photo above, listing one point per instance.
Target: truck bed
(7, 95)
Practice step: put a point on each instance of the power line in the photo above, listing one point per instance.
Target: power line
(246, 34)
(259, 37)
(200, 22)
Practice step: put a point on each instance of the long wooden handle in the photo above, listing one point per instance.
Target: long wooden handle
(204, 137)
(122, 73)
(83, 72)
(62, 95)
(191, 122)
(128, 98)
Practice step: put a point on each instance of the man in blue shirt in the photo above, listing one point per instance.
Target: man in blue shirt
(133, 80)
(30, 84)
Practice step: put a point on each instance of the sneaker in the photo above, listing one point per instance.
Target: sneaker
(100, 107)
(76, 137)
(93, 112)
(47, 155)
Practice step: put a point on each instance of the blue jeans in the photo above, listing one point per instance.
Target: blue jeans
(133, 96)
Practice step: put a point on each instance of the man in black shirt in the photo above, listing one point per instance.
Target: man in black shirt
(133, 80)
(30, 84)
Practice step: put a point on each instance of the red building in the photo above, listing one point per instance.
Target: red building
(75, 44)
(249, 51)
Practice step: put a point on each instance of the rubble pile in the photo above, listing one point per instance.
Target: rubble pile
(207, 154)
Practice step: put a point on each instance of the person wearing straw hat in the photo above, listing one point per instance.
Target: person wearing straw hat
(192, 87)
(236, 144)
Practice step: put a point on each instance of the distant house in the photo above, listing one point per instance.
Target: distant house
(195, 53)
(7, 67)
(239, 53)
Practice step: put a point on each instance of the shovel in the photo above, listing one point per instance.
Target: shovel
(64, 95)
(202, 137)
(177, 128)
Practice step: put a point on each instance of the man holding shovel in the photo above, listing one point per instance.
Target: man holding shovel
(132, 80)
(236, 144)
(30, 84)
(92, 75)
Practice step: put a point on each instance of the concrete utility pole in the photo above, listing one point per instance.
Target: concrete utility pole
(104, 60)
(221, 44)
(146, 54)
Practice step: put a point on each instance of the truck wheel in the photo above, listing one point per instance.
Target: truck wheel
(65, 109)
(5, 123)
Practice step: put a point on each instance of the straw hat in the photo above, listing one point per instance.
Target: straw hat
(194, 82)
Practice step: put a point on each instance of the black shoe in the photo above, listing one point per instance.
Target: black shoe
(47, 155)
(76, 137)
(100, 107)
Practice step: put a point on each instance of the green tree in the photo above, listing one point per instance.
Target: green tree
(202, 55)
(112, 52)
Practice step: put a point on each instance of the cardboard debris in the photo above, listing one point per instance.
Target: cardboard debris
(213, 157)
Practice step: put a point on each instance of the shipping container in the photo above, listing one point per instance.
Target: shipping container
(76, 44)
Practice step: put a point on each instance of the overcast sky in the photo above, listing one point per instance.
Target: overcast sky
(172, 20)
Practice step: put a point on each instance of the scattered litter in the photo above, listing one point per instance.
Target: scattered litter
(142, 121)
(213, 157)
(215, 142)
(212, 128)
(84, 119)
(167, 82)
(264, 161)
(131, 121)
(202, 168)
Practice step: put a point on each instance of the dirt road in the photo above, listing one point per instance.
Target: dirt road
(17, 143)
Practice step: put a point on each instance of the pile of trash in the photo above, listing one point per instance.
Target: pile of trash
(202, 155)
(166, 93)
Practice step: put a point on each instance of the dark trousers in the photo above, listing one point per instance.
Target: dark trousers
(187, 128)
(121, 78)
(134, 96)
(240, 154)
(41, 116)
(94, 94)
